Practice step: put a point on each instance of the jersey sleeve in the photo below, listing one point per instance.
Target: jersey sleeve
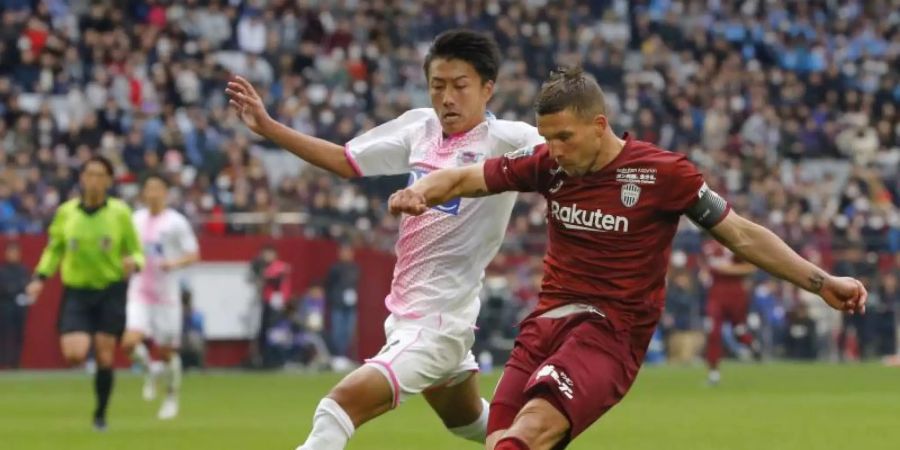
(519, 170)
(186, 237)
(684, 186)
(131, 243)
(56, 245)
(385, 149)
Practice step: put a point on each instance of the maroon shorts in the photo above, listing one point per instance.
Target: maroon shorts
(732, 305)
(581, 364)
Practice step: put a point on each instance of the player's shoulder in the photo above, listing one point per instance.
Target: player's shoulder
(140, 213)
(417, 115)
(176, 217)
(68, 205)
(118, 205)
(646, 155)
(514, 134)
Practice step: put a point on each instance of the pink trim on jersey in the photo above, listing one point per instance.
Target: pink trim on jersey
(353, 164)
(150, 273)
(392, 378)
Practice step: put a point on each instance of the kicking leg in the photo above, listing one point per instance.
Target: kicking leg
(461, 409)
(362, 395)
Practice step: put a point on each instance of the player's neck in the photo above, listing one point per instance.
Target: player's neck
(156, 210)
(93, 201)
(610, 148)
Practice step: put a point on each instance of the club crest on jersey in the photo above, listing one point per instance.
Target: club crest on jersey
(631, 193)
(468, 157)
(520, 153)
(105, 243)
(450, 207)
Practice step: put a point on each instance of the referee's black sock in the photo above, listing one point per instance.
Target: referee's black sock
(103, 384)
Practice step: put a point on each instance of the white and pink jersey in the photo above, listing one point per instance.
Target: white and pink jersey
(442, 254)
(166, 236)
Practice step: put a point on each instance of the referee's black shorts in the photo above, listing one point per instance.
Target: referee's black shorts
(94, 310)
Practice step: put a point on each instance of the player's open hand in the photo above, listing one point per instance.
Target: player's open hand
(247, 102)
(845, 294)
(407, 201)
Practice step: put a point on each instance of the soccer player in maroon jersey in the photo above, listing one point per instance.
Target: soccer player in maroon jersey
(727, 301)
(613, 208)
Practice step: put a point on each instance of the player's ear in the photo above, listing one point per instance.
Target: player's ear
(487, 88)
(601, 124)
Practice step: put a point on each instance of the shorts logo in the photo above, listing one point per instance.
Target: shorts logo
(564, 383)
(450, 207)
(631, 193)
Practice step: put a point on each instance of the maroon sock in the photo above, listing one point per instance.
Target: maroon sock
(511, 443)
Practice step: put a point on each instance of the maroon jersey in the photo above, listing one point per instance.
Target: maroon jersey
(723, 285)
(610, 232)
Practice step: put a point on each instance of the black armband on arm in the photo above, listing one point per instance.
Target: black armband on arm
(709, 210)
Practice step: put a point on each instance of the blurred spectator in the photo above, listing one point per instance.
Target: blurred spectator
(341, 293)
(193, 341)
(271, 276)
(13, 305)
(682, 323)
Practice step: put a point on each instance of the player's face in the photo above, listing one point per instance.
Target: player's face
(95, 180)
(458, 95)
(155, 193)
(573, 141)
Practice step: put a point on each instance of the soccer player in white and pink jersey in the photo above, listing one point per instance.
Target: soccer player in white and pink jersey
(154, 297)
(441, 255)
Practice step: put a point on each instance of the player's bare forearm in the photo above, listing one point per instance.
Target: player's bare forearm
(767, 251)
(186, 260)
(446, 184)
(316, 151)
(736, 269)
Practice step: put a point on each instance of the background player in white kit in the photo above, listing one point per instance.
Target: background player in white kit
(154, 296)
(441, 255)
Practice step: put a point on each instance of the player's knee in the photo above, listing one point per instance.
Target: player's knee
(74, 357)
(492, 439)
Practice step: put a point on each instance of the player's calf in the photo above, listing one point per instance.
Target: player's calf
(539, 425)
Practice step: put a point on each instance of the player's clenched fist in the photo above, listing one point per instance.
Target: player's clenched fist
(407, 201)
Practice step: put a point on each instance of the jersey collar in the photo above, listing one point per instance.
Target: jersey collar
(93, 210)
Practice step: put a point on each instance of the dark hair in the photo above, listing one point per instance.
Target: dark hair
(154, 176)
(102, 160)
(571, 88)
(477, 49)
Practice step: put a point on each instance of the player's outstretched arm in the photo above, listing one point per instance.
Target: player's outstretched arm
(439, 187)
(763, 248)
(252, 111)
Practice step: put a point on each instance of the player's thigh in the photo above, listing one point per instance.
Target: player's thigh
(105, 348)
(364, 394)
(588, 374)
(75, 346)
(417, 358)
(457, 403)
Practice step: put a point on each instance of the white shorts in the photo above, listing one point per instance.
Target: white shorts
(160, 322)
(424, 353)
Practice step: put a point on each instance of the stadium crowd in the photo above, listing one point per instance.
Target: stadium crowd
(791, 110)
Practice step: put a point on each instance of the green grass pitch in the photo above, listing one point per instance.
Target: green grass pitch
(771, 407)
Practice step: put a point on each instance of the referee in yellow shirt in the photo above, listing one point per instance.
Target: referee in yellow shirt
(94, 239)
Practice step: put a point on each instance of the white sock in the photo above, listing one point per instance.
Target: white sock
(173, 374)
(332, 428)
(141, 355)
(477, 430)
